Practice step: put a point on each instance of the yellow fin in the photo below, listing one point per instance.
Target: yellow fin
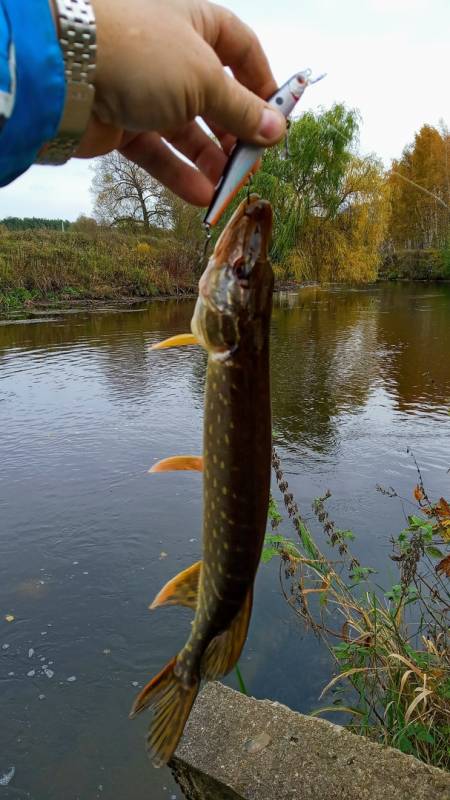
(176, 341)
(223, 652)
(172, 701)
(194, 463)
(182, 590)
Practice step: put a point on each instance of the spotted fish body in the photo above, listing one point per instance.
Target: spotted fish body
(231, 321)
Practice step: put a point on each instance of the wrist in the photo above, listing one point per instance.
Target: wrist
(75, 26)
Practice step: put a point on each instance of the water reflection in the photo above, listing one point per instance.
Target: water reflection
(87, 537)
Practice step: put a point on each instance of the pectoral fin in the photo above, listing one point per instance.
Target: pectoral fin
(194, 463)
(224, 651)
(176, 341)
(182, 590)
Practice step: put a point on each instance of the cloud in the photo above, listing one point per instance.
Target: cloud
(61, 192)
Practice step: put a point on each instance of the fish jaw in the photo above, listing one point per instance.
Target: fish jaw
(236, 287)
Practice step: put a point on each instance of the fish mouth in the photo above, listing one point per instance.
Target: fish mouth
(246, 238)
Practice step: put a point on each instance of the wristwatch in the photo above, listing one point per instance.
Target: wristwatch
(77, 37)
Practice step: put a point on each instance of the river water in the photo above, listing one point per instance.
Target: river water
(87, 537)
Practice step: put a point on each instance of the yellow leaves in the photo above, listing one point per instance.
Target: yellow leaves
(444, 566)
(442, 510)
(418, 493)
(442, 513)
(143, 249)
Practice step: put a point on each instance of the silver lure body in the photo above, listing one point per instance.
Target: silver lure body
(244, 157)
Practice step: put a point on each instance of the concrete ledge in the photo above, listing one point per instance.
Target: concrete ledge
(238, 748)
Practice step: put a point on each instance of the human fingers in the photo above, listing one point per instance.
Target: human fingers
(239, 111)
(195, 144)
(227, 141)
(151, 153)
(239, 48)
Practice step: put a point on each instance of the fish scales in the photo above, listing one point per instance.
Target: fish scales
(232, 321)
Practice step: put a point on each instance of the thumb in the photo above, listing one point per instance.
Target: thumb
(240, 112)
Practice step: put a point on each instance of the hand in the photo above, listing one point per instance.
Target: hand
(159, 66)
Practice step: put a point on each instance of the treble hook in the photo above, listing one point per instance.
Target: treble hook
(204, 249)
(285, 155)
(249, 186)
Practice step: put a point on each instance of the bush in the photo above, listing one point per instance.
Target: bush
(391, 648)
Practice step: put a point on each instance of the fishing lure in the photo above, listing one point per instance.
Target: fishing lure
(244, 158)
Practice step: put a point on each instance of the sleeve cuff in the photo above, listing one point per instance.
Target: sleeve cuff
(40, 86)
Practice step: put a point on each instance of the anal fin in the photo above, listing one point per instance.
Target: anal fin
(172, 701)
(194, 463)
(176, 341)
(182, 590)
(224, 651)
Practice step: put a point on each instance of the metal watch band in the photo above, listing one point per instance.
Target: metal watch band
(77, 37)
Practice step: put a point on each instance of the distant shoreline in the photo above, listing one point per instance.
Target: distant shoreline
(13, 306)
(66, 303)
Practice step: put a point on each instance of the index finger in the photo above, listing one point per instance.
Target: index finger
(239, 48)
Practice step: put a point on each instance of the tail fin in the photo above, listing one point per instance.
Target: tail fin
(172, 702)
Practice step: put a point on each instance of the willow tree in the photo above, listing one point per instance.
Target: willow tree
(303, 176)
(330, 205)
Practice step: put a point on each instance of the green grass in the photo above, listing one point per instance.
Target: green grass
(56, 266)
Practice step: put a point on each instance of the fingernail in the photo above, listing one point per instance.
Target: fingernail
(271, 126)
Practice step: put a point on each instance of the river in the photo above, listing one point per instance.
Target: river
(87, 537)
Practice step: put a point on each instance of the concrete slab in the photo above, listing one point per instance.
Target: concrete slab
(238, 748)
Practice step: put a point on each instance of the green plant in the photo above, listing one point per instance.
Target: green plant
(391, 648)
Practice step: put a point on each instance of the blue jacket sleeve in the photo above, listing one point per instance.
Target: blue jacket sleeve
(32, 85)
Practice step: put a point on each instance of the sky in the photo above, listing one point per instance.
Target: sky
(387, 58)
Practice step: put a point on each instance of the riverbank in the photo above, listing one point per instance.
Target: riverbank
(55, 268)
(48, 269)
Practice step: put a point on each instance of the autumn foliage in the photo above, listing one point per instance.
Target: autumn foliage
(420, 192)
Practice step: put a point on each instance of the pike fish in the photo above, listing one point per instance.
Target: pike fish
(231, 321)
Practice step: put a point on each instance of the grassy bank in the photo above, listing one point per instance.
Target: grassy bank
(53, 266)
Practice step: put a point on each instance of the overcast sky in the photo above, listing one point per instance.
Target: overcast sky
(387, 58)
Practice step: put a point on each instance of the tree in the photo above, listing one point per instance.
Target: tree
(84, 224)
(35, 223)
(330, 205)
(307, 179)
(126, 194)
(184, 220)
(420, 188)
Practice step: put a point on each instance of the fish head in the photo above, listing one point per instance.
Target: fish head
(235, 291)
